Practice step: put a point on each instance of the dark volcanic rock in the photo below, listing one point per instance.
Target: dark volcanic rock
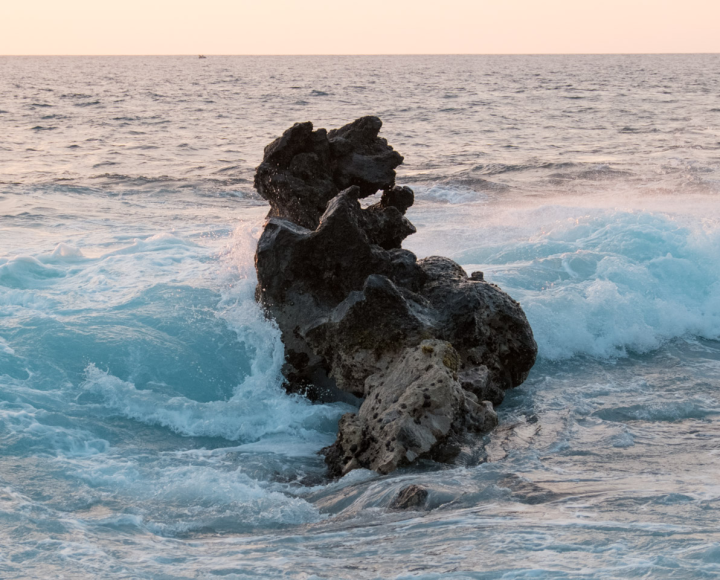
(429, 349)
(304, 169)
(483, 323)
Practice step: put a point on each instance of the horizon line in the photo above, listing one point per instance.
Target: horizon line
(386, 54)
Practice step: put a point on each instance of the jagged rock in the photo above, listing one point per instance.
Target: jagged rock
(399, 197)
(429, 349)
(477, 380)
(303, 276)
(410, 497)
(363, 158)
(483, 323)
(304, 169)
(415, 407)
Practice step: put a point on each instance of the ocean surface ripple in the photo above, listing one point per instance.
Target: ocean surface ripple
(144, 431)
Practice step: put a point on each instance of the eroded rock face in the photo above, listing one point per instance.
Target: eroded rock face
(428, 349)
(415, 407)
(304, 169)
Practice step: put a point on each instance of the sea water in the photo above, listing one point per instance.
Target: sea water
(144, 431)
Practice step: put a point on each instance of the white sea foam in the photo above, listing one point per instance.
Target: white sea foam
(593, 280)
(31, 431)
(199, 496)
(5, 347)
(258, 408)
(630, 283)
(155, 243)
(65, 253)
(451, 194)
(14, 300)
(27, 272)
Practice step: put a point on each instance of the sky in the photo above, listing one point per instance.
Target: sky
(130, 27)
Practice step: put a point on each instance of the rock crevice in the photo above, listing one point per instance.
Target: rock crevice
(428, 349)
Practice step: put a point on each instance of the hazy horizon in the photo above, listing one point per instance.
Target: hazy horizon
(373, 27)
(195, 54)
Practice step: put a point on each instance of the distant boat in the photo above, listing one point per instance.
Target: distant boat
(202, 56)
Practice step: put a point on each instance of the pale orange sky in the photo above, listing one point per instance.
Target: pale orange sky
(357, 27)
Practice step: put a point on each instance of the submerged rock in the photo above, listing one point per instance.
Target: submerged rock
(426, 348)
(410, 497)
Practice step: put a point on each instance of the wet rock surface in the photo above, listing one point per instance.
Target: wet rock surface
(427, 349)
(410, 497)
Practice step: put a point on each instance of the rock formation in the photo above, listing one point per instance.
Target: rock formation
(428, 349)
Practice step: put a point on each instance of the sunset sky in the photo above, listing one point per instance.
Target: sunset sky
(358, 27)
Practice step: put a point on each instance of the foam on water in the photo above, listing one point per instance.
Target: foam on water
(25, 429)
(154, 410)
(601, 281)
(70, 416)
(257, 406)
(5, 348)
(249, 415)
(620, 281)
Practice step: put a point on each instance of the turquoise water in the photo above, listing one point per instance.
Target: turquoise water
(144, 432)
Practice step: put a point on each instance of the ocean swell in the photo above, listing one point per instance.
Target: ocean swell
(610, 282)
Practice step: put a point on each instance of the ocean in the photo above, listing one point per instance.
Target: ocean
(144, 430)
